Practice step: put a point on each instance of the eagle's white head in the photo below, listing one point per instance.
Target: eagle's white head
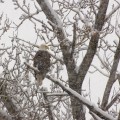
(44, 47)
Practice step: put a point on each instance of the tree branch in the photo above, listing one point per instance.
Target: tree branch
(74, 40)
(57, 58)
(112, 12)
(99, 22)
(33, 68)
(113, 101)
(4, 116)
(111, 78)
(75, 80)
(119, 116)
(90, 105)
(48, 107)
(9, 104)
(95, 116)
(5, 48)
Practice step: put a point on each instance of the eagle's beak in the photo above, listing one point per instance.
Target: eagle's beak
(47, 47)
(48, 44)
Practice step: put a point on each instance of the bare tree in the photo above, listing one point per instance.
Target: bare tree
(84, 38)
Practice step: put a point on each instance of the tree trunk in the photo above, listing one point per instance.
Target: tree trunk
(75, 79)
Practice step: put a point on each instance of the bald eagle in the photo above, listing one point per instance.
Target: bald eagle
(42, 62)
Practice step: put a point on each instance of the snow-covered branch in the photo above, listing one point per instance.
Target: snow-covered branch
(57, 94)
(50, 52)
(31, 67)
(112, 77)
(12, 108)
(50, 13)
(90, 105)
(113, 101)
(4, 115)
(112, 12)
(5, 48)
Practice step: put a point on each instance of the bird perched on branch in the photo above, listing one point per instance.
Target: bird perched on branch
(42, 63)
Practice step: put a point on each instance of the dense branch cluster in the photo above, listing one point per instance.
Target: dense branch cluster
(84, 40)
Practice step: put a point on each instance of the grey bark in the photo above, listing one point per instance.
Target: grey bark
(80, 98)
(99, 22)
(77, 85)
(119, 116)
(77, 109)
(9, 104)
(111, 78)
(48, 107)
(76, 79)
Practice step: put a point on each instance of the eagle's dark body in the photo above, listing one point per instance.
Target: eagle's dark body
(42, 62)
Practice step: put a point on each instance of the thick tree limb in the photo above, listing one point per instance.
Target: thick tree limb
(99, 22)
(119, 116)
(111, 78)
(5, 48)
(113, 101)
(112, 12)
(9, 104)
(76, 80)
(74, 40)
(101, 15)
(69, 61)
(90, 105)
(48, 107)
(95, 116)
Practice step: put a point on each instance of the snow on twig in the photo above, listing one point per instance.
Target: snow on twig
(90, 105)
(28, 42)
(33, 68)
(113, 101)
(112, 12)
(4, 115)
(57, 58)
(5, 48)
(50, 13)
